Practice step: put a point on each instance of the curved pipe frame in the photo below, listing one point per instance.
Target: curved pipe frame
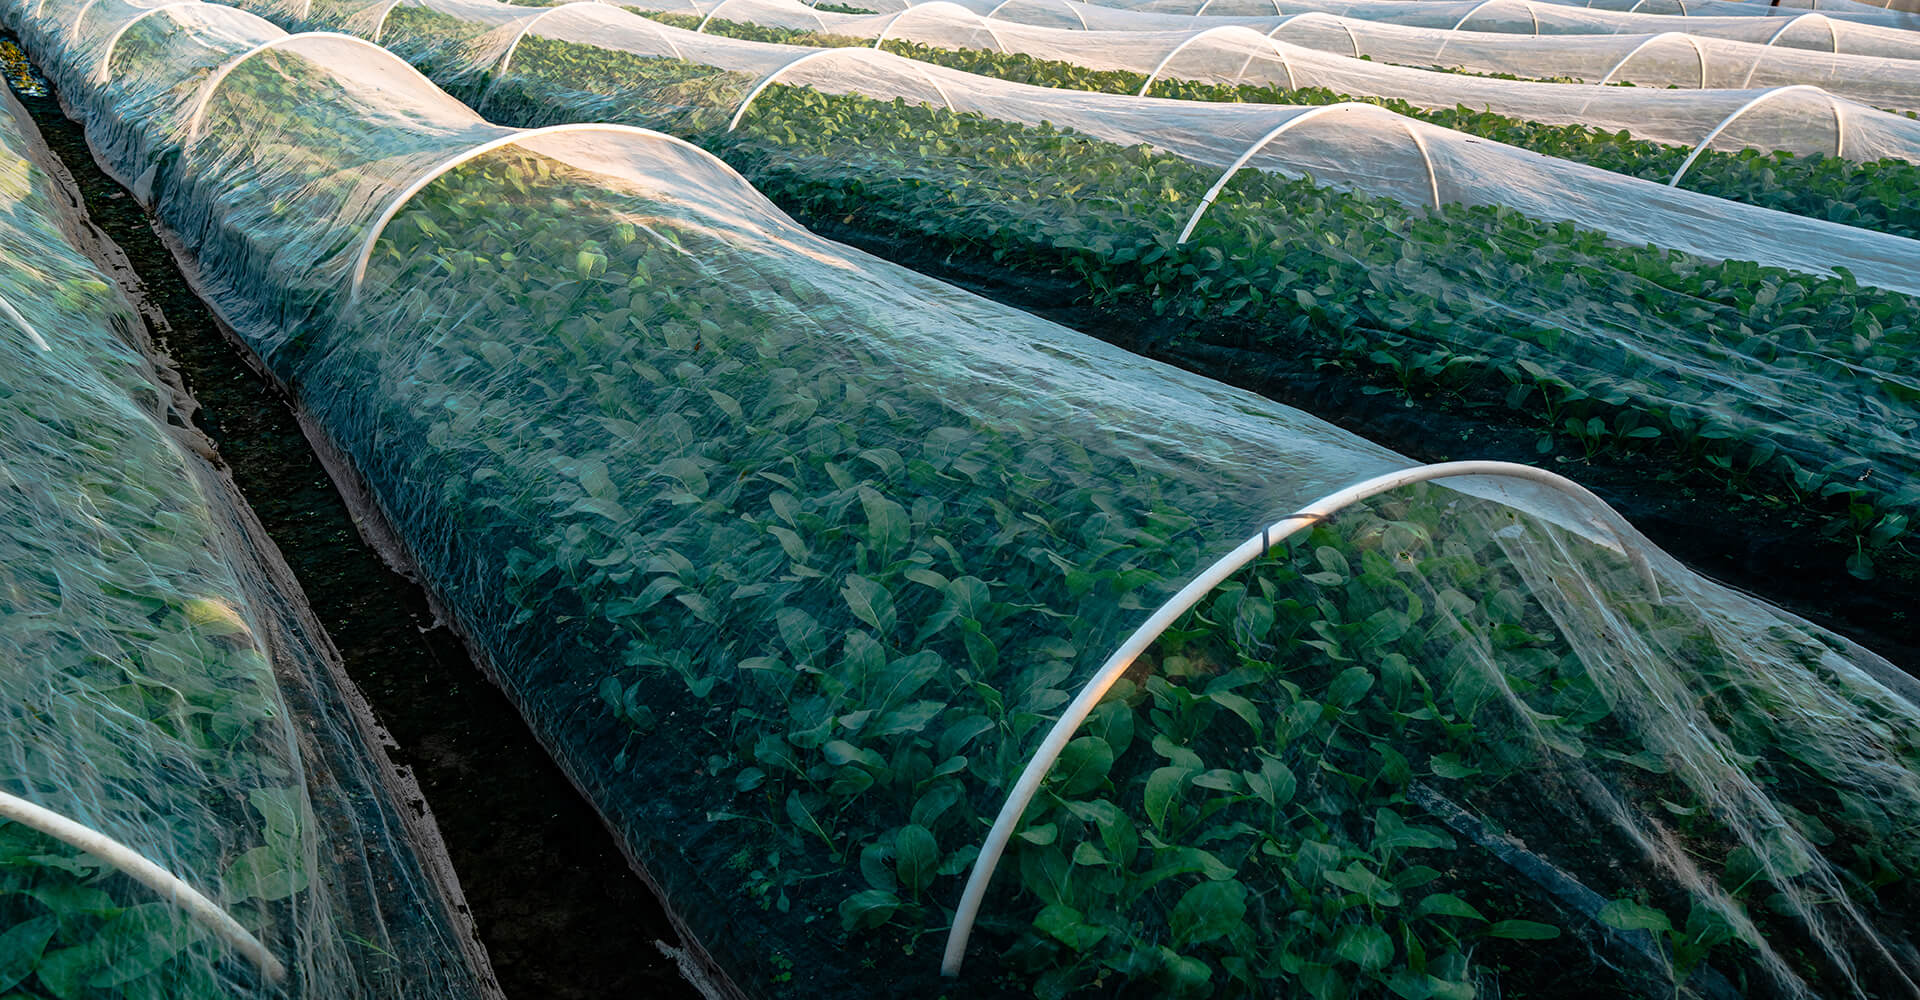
(1169, 613)
(1071, 9)
(887, 29)
(1154, 76)
(441, 169)
(1833, 36)
(380, 25)
(772, 78)
(1419, 143)
(8, 312)
(819, 24)
(103, 73)
(526, 28)
(1352, 39)
(198, 115)
(1698, 52)
(136, 866)
(1839, 125)
(1468, 16)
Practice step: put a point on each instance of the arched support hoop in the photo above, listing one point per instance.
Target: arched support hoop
(1169, 613)
(136, 866)
(1698, 52)
(102, 73)
(527, 26)
(1833, 37)
(1839, 125)
(1154, 76)
(886, 31)
(441, 169)
(198, 116)
(1348, 107)
(772, 78)
(1353, 40)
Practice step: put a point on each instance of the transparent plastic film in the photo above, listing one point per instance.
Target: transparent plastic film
(193, 809)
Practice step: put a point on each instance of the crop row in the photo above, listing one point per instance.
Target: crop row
(1877, 195)
(1779, 383)
(790, 554)
(140, 697)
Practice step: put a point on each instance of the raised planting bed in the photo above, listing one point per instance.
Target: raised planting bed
(1740, 372)
(165, 687)
(791, 555)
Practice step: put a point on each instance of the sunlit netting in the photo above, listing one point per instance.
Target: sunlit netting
(1672, 59)
(1842, 405)
(164, 686)
(791, 555)
(1798, 119)
(470, 45)
(1895, 13)
(1804, 30)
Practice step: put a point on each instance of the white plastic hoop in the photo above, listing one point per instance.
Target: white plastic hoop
(196, 118)
(9, 312)
(438, 170)
(1353, 40)
(1154, 76)
(1839, 125)
(1468, 16)
(887, 29)
(1071, 9)
(136, 866)
(772, 78)
(1419, 143)
(380, 25)
(1698, 52)
(1833, 35)
(818, 23)
(526, 28)
(102, 74)
(1169, 613)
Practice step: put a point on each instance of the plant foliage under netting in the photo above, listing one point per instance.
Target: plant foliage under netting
(1543, 16)
(464, 45)
(1872, 34)
(1668, 59)
(1794, 117)
(164, 687)
(1629, 356)
(790, 555)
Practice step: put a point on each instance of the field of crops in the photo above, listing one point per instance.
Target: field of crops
(1355, 498)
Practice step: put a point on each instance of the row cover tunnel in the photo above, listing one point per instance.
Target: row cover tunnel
(1878, 71)
(196, 803)
(520, 67)
(791, 556)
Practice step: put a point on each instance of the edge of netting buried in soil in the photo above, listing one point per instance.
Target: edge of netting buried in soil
(295, 632)
(690, 963)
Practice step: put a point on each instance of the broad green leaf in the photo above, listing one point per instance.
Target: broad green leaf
(916, 855)
(1628, 915)
(1207, 911)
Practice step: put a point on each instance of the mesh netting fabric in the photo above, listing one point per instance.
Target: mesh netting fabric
(789, 554)
(167, 687)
